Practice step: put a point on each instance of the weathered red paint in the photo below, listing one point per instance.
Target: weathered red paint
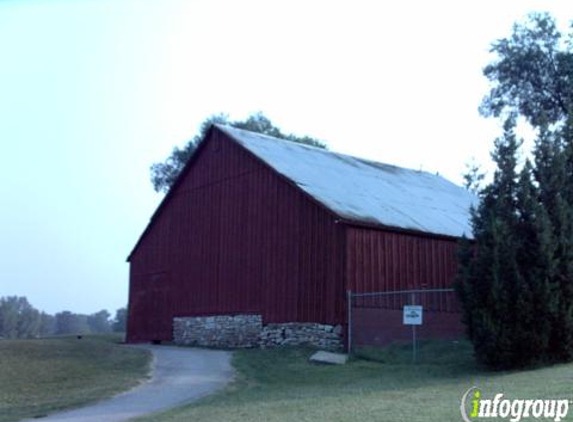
(383, 261)
(233, 236)
(380, 261)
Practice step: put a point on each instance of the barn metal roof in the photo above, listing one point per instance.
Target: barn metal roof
(366, 191)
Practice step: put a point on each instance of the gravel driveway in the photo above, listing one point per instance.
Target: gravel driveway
(180, 375)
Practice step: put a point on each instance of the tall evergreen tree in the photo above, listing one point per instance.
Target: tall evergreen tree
(566, 135)
(515, 281)
(536, 302)
(489, 282)
(555, 185)
(473, 176)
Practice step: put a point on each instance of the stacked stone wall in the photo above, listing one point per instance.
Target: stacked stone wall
(235, 331)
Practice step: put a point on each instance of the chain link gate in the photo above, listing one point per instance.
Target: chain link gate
(375, 318)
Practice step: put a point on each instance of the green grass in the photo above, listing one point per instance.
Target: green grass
(38, 377)
(381, 385)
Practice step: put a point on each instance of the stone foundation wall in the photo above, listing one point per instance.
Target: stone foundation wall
(248, 331)
(218, 331)
(298, 333)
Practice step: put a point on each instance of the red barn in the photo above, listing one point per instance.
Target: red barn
(259, 240)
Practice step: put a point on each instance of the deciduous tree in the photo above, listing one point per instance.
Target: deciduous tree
(99, 322)
(18, 319)
(120, 320)
(164, 174)
(532, 74)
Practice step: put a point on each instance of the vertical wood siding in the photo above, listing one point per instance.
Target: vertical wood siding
(381, 261)
(235, 237)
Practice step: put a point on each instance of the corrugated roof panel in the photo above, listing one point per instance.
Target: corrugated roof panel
(366, 191)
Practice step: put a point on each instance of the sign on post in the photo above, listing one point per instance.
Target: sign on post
(412, 315)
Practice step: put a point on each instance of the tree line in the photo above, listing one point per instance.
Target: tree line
(20, 320)
(515, 278)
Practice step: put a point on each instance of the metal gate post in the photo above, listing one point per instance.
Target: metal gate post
(349, 322)
(413, 300)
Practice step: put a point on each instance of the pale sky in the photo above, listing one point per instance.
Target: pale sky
(92, 92)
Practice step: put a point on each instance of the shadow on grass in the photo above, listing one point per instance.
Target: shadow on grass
(378, 368)
(428, 352)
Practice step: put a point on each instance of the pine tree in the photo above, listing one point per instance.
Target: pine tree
(553, 175)
(489, 283)
(536, 297)
(515, 282)
(566, 135)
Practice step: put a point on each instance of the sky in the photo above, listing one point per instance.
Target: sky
(92, 92)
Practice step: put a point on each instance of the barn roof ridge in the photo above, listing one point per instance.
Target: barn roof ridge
(424, 215)
(229, 129)
(365, 191)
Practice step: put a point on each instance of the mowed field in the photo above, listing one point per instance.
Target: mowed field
(282, 385)
(38, 377)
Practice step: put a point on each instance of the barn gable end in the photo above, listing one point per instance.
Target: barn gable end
(234, 237)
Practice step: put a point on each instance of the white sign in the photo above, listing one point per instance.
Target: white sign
(412, 315)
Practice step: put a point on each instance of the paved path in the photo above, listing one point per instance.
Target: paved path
(180, 374)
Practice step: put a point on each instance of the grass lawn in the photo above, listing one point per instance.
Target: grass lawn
(38, 377)
(281, 385)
